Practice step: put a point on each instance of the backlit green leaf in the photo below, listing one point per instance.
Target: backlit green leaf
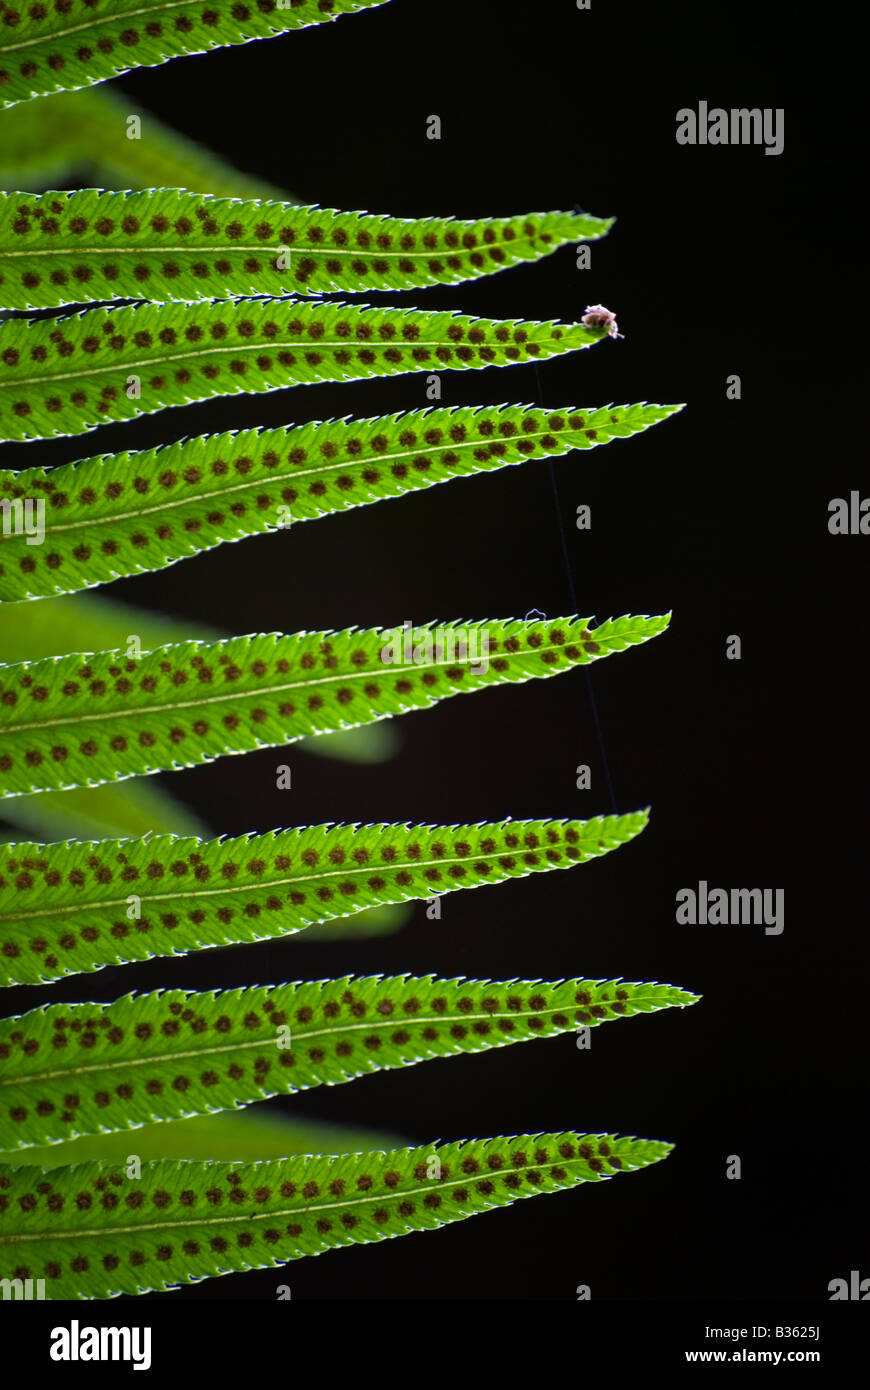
(122, 514)
(170, 245)
(79, 906)
(81, 720)
(55, 626)
(91, 1232)
(53, 48)
(66, 376)
(171, 1054)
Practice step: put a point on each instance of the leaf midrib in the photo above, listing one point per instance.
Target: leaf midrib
(264, 247)
(383, 669)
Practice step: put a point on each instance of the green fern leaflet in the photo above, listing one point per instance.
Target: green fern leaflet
(82, 720)
(71, 44)
(92, 1233)
(66, 376)
(122, 514)
(169, 245)
(84, 1068)
(79, 906)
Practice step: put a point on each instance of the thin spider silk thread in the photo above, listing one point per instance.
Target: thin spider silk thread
(590, 693)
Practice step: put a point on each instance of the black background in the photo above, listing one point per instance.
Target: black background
(723, 260)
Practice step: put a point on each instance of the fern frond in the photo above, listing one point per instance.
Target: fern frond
(91, 1232)
(140, 806)
(131, 808)
(67, 907)
(78, 721)
(123, 514)
(66, 376)
(55, 49)
(172, 1054)
(97, 623)
(168, 245)
(31, 631)
(42, 143)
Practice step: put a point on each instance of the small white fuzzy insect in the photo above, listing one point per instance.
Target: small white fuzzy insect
(597, 316)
